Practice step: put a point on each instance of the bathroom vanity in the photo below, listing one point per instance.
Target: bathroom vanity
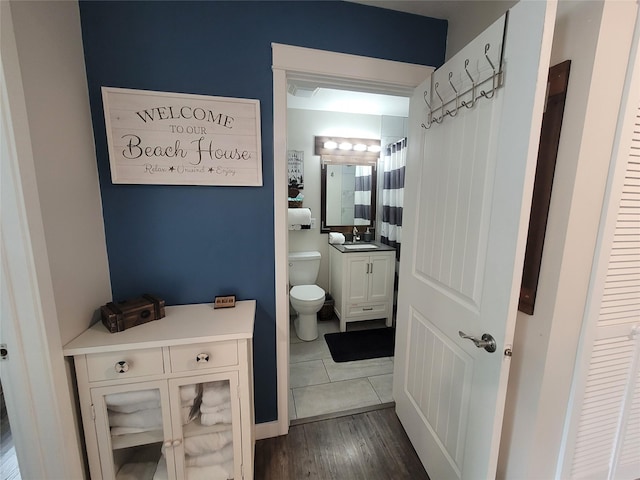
(361, 277)
(170, 399)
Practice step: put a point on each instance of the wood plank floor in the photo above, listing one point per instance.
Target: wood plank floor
(366, 446)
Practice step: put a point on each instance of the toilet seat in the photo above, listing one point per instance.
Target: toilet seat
(307, 293)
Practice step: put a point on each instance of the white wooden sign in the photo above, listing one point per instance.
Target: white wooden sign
(182, 139)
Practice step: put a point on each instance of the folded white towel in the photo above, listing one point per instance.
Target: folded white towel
(336, 238)
(185, 415)
(299, 216)
(213, 472)
(215, 408)
(222, 416)
(215, 393)
(151, 418)
(161, 470)
(215, 458)
(201, 444)
(136, 471)
(187, 394)
(134, 407)
(127, 398)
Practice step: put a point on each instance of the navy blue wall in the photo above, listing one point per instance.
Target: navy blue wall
(190, 243)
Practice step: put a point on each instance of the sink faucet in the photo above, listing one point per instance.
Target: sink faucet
(356, 236)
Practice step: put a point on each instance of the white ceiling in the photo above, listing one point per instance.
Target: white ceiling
(351, 102)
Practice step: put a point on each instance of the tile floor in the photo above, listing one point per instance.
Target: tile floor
(320, 386)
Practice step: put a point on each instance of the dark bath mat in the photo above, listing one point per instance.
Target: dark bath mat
(361, 344)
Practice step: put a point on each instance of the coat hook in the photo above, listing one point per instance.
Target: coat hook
(425, 99)
(436, 119)
(430, 113)
(473, 87)
(493, 78)
(454, 113)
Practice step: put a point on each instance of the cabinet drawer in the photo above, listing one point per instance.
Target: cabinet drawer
(367, 309)
(216, 354)
(137, 363)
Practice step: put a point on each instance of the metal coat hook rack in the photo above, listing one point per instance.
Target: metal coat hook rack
(472, 94)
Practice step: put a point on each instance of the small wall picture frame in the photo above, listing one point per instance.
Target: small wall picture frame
(295, 162)
(225, 301)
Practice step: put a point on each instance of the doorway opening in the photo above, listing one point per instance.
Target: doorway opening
(328, 70)
(319, 386)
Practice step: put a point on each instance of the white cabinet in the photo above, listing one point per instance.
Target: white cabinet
(171, 399)
(362, 285)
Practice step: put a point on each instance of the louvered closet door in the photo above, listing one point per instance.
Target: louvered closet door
(607, 442)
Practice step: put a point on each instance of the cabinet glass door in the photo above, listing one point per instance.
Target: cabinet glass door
(132, 423)
(208, 445)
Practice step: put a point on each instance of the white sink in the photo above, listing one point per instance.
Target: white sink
(360, 246)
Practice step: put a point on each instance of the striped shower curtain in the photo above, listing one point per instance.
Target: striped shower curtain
(394, 161)
(362, 197)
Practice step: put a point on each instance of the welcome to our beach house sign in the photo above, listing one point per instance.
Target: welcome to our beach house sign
(181, 139)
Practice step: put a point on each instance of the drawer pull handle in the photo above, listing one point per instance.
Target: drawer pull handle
(122, 366)
(202, 358)
(367, 308)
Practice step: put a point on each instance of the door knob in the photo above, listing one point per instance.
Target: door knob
(487, 341)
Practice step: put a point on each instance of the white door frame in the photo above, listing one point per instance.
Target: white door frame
(36, 384)
(330, 69)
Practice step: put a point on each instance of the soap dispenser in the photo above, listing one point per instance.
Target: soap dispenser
(366, 236)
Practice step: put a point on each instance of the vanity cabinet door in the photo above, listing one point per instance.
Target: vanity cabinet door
(380, 278)
(132, 422)
(370, 278)
(358, 278)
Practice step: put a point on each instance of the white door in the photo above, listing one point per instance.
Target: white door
(469, 183)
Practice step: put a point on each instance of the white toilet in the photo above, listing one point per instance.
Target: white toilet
(306, 298)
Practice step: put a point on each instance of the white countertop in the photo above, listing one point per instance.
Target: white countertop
(182, 324)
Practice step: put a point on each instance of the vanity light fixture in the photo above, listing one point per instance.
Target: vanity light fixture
(349, 151)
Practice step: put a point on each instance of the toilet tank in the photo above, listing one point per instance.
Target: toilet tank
(303, 268)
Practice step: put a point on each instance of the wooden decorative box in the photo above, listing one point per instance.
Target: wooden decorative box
(118, 316)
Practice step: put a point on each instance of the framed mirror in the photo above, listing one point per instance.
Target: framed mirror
(348, 197)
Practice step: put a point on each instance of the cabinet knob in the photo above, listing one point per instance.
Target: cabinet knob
(122, 366)
(202, 358)
(167, 444)
(175, 443)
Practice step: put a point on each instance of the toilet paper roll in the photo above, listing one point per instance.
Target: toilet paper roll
(299, 216)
